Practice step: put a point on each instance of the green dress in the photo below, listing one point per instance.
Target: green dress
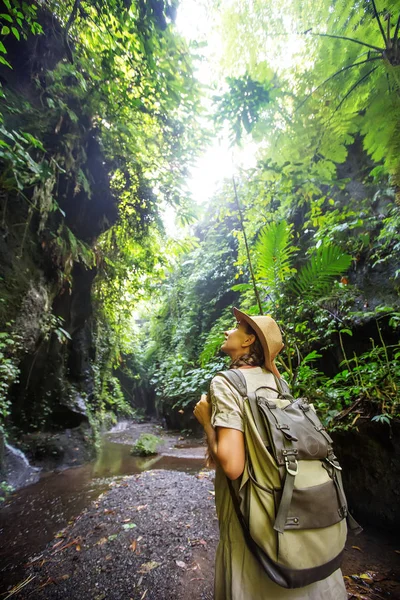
(238, 575)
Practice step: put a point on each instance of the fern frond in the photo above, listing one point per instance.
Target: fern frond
(316, 277)
(274, 251)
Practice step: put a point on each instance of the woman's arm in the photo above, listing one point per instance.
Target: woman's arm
(226, 444)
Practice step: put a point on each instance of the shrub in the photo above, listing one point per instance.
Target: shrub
(146, 445)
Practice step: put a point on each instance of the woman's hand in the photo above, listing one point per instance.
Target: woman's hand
(202, 411)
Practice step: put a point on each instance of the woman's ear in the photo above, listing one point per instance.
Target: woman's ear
(249, 340)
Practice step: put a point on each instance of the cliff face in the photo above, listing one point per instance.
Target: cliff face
(47, 235)
(370, 458)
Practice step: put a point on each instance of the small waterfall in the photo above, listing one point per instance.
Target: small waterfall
(18, 471)
(18, 453)
(120, 426)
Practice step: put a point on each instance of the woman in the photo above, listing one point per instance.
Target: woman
(252, 346)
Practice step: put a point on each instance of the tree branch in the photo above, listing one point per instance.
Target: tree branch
(247, 248)
(363, 62)
(380, 24)
(353, 87)
(396, 33)
(342, 37)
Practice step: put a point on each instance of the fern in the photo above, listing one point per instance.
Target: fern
(316, 277)
(274, 251)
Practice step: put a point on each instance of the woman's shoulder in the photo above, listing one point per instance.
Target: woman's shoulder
(225, 380)
(222, 383)
(258, 377)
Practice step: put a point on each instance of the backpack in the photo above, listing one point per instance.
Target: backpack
(290, 500)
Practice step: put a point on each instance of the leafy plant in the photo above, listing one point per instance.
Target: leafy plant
(384, 419)
(274, 252)
(315, 278)
(146, 445)
(9, 370)
(241, 104)
(5, 490)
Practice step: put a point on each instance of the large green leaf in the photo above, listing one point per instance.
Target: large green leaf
(316, 277)
(274, 251)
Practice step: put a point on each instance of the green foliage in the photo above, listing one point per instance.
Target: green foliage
(67, 250)
(146, 445)
(19, 20)
(307, 379)
(5, 490)
(366, 383)
(372, 378)
(384, 419)
(10, 345)
(313, 207)
(20, 170)
(179, 346)
(324, 110)
(53, 324)
(215, 337)
(241, 104)
(274, 252)
(107, 388)
(315, 278)
(109, 131)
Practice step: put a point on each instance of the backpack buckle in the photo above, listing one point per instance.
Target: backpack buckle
(292, 466)
(335, 465)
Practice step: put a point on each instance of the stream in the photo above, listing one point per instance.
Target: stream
(32, 516)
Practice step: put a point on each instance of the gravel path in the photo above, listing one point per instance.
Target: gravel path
(152, 536)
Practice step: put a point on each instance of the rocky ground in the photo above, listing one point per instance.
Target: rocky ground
(151, 536)
(154, 536)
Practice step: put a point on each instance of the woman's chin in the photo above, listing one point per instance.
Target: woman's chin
(224, 349)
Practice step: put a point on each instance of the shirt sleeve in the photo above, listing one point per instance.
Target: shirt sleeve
(226, 406)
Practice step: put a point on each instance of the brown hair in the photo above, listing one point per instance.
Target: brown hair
(254, 357)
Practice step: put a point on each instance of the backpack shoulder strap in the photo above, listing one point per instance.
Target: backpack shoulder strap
(236, 379)
(283, 387)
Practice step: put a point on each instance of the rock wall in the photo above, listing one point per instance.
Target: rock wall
(45, 287)
(370, 457)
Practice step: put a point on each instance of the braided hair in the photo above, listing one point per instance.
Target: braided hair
(254, 357)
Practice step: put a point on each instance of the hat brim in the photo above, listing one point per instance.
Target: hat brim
(268, 360)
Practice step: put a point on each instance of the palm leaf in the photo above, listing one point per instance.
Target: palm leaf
(274, 251)
(316, 277)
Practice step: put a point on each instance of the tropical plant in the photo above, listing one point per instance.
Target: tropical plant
(314, 279)
(274, 253)
(146, 445)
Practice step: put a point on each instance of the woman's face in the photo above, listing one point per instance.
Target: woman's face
(237, 341)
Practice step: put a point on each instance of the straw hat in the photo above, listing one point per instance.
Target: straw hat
(268, 333)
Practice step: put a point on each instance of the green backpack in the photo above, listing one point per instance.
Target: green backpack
(290, 501)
